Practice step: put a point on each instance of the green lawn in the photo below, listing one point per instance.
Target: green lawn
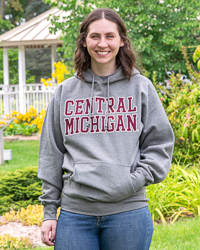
(24, 154)
(183, 235)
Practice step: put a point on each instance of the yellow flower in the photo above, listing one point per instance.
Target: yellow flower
(10, 126)
(53, 75)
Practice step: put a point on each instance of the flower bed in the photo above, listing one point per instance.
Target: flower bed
(26, 124)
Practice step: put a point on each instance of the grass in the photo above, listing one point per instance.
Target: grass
(182, 235)
(24, 154)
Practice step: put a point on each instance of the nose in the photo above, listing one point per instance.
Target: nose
(102, 43)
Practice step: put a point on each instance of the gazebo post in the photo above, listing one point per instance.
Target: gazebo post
(53, 58)
(22, 78)
(6, 80)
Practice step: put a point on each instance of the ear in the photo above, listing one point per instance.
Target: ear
(84, 44)
(122, 43)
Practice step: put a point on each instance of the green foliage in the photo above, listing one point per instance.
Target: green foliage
(196, 57)
(14, 243)
(13, 68)
(5, 25)
(19, 189)
(177, 196)
(156, 28)
(20, 10)
(182, 105)
(20, 129)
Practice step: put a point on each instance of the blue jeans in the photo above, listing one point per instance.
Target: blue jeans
(130, 230)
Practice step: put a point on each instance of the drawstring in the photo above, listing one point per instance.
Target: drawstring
(92, 93)
(107, 106)
(91, 102)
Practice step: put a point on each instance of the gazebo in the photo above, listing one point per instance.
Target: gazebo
(32, 34)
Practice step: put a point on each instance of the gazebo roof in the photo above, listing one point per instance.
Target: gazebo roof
(34, 33)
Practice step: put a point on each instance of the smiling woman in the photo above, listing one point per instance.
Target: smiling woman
(103, 42)
(105, 138)
(103, 46)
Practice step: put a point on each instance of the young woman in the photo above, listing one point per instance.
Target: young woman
(105, 138)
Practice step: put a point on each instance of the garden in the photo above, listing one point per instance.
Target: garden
(174, 203)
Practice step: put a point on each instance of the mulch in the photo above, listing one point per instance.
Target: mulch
(17, 229)
(21, 138)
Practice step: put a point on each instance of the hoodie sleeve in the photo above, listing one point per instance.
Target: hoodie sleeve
(51, 155)
(156, 142)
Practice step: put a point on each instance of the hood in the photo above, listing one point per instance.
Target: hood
(118, 75)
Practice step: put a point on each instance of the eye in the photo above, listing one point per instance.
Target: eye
(110, 36)
(94, 36)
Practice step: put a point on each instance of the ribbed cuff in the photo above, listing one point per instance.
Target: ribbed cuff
(50, 211)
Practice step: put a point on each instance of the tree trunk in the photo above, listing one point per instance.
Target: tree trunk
(2, 9)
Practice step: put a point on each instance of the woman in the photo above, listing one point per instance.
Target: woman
(105, 138)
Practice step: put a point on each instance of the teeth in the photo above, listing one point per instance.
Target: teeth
(102, 53)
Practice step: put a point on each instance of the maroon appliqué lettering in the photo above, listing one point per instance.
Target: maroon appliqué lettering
(100, 115)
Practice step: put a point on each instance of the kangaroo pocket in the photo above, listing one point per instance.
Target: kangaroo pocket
(99, 182)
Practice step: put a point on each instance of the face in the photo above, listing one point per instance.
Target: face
(103, 42)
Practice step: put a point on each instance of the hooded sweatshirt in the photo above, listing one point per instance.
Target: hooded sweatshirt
(102, 143)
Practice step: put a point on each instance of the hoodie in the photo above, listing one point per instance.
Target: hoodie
(102, 143)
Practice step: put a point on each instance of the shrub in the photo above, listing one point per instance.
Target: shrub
(182, 105)
(177, 196)
(14, 243)
(32, 215)
(23, 124)
(19, 189)
(20, 129)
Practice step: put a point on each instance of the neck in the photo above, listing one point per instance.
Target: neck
(103, 70)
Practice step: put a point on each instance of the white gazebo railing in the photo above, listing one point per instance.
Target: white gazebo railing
(32, 34)
(35, 95)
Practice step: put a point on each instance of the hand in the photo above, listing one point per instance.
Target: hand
(47, 227)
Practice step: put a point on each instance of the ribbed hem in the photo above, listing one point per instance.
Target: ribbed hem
(79, 206)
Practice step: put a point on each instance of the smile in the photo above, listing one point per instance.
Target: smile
(102, 53)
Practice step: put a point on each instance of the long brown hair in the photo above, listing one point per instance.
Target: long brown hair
(126, 57)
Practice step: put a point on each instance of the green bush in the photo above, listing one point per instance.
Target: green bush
(177, 196)
(20, 129)
(14, 243)
(19, 189)
(182, 105)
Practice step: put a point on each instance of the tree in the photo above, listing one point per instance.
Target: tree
(13, 13)
(18, 11)
(157, 28)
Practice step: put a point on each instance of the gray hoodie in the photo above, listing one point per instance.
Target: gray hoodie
(102, 143)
